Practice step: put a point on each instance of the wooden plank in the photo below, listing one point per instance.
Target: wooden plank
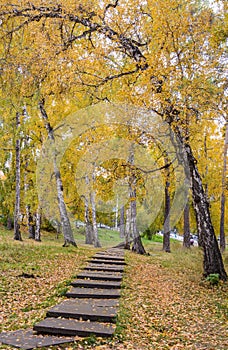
(104, 261)
(105, 267)
(103, 310)
(105, 276)
(96, 284)
(109, 257)
(73, 327)
(93, 293)
(27, 339)
(114, 251)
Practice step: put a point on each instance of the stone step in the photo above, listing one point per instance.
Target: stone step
(104, 267)
(104, 261)
(93, 293)
(103, 310)
(68, 327)
(96, 284)
(101, 275)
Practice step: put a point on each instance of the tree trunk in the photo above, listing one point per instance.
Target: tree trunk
(94, 216)
(122, 222)
(200, 239)
(38, 225)
(17, 233)
(10, 223)
(222, 223)
(127, 228)
(58, 229)
(30, 221)
(223, 197)
(65, 222)
(88, 225)
(187, 235)
(116, 216)
(206, 167)
(166, 235)
(31, 224)
(213, 262)
(137, 245)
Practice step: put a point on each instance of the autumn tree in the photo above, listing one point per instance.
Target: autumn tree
(162, 55)
(17, 213)
(7, 165)
(186, 235)
(223, 194)
(167, 206)
(66, 226)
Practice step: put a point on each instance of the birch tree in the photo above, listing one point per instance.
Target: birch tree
(223, 195)
(17, 212)
(65, 222)
(162, 55)
(186, 238)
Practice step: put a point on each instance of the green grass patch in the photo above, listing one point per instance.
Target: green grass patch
(108, 238)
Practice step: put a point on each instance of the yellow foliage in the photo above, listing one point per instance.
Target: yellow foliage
(155, 54)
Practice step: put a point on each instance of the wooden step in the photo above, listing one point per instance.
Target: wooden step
(96, 284)
(70, 327)
(104, 261)
(103, 310)
(27, 339)
(105, 267)
(105, 276)
(109, 257)
(93, 293)
(112, 250)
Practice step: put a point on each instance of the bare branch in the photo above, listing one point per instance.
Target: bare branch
(108, 78)
(33, 13)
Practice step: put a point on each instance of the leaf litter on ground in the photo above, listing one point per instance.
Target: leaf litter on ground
(164, 303)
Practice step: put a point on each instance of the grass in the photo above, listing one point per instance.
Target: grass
(165, 304)
(24, 300)
(107, 237)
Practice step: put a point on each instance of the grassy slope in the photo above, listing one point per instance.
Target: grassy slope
(164, 304)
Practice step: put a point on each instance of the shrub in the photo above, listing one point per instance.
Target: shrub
(213, 278)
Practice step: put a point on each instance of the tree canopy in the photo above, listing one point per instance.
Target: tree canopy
(168, 57)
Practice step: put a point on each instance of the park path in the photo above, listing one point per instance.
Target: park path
(90, 307)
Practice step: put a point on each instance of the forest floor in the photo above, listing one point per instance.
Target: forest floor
(165, 303)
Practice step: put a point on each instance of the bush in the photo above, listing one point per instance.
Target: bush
(148, 233)
(213, 278)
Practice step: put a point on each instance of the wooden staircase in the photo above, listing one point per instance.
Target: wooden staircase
(92, 302)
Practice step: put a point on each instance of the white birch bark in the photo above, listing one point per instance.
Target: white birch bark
(65, 222)
(38, 225)
(116, 213)
(127, 227)
(186, 240)
(88, 225)
(94, 219)
(17, 233)
(166, 235)
(122, 229)
(213, 262)
(223, 197)
(30, 223)
(137, 242)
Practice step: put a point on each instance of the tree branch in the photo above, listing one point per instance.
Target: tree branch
(128, 45)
